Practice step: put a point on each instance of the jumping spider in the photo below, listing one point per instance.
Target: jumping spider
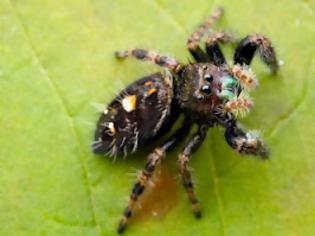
(209, 92)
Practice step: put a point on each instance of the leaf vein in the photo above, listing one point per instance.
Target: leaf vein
(66, 109)
(297, 104)
(160, 7)
(308, 6)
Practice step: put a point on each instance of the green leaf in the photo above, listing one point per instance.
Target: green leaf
(56, 61)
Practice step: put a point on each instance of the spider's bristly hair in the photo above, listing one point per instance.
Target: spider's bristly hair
(239, 106)
(247, 143)
(245, 76)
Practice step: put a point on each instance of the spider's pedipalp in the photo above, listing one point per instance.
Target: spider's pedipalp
(245, 76)
(239, 106)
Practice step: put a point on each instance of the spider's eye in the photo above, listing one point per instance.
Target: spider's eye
(200, 97)
(206, 89)
(208, 78)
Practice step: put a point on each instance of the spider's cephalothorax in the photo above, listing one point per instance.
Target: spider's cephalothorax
(209, 92)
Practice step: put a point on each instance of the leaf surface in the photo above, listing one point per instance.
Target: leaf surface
(56, 61)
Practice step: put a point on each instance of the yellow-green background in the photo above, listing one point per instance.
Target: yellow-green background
(56, 61)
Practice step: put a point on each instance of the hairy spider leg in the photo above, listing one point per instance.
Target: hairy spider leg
(194, 39)
(245, 76)
(154, 159)
(151, 56)
(247, 47)
(183, 160)
(213, 49)
(246, 142)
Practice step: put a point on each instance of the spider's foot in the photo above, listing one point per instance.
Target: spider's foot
(121, 54)
(122, 225)
(197, 213)
(254, 145)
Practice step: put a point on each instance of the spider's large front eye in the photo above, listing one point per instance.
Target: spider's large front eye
(206, 89)
(208, 78)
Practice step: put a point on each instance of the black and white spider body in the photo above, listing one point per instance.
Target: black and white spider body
(209, 92)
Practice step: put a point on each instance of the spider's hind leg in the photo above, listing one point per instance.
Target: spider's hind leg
(247, 47)
(183, 160)
(146, 174)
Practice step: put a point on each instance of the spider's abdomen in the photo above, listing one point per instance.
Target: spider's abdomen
(138, 114)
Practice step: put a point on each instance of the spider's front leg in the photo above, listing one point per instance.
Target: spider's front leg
(154, 159)
(247, 47)
(246, 142)
(151, 56)
(183, 160)
(212, 47)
